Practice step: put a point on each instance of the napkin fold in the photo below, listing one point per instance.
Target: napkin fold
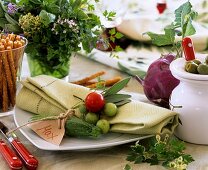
(47, 95)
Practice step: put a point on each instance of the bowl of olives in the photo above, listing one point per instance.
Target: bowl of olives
(190, 98)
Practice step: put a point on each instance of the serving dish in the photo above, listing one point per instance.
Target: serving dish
(73, 144)
(190, 100)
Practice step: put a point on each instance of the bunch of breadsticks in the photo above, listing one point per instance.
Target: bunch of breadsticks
(11, 52)
(88, 81)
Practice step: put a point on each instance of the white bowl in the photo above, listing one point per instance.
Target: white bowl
(192, 95)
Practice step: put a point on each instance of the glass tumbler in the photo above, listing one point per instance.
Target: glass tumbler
(11, 54)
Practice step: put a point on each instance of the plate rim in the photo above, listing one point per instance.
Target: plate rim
(81, 148)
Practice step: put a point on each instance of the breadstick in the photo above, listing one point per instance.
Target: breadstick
(83, 81)
(5, 105)
(106, 83)
(8, 77)
(1, 82)
(12, 66)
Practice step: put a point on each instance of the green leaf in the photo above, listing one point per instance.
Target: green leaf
(13, 28)
(189, 30)
(159, 151)
(82, 15)
(127, 167)
(123, 102)
(112, 39)
(37, 2)
(132, 71)
(53, 8)
(10, 19)
(181, 12)
(3, 21)
(112, 31)
(116, 97)
(117, 87)
(76, 4)
(46, 17)
(118, 48)
(163, 39)
(119, 35)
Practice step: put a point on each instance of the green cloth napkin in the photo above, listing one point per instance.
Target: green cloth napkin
(48, 95)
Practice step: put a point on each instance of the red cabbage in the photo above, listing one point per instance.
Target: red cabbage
(159, 82)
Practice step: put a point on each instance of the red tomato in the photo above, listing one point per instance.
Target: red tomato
(94, 102)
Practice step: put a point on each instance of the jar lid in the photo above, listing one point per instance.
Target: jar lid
(177, 68)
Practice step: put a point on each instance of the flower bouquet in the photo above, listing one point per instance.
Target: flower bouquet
(54, 29)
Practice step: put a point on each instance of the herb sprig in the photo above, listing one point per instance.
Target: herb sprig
(181, 26)
(168, 152)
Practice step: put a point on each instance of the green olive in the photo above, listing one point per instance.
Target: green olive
(196, 61)
(191, 67)
(203, 69)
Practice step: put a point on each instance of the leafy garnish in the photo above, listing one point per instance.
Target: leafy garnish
(111, 95)
(181, 26)
(168, 152)
(116, 87)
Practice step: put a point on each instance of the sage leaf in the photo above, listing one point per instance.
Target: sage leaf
(116, 98)
(117, 87)
(123, 102)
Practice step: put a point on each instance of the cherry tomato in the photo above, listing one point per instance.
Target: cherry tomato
(94, 102)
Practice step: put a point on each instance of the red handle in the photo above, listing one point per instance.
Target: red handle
(188, 49)
(29, 160)
(11, 158)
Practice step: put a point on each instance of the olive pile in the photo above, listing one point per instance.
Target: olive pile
(197, 67)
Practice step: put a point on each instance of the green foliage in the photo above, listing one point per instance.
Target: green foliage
(54, 28)
(168, 152)
(111, 94)
(109, 15)
(181, 26)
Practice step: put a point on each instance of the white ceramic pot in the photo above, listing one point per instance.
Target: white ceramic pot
(192, 95)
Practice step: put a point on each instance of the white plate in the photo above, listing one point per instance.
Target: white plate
(69, 143)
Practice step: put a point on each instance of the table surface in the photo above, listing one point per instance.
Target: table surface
(113, 158)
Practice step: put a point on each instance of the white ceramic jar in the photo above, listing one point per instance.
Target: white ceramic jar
(192, 95)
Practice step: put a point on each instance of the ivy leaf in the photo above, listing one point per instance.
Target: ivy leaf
(163, 39)
(116, 87)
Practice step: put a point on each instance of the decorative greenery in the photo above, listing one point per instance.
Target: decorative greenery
(111, 94)
(167, 152)
(54, 28)
(181, 26)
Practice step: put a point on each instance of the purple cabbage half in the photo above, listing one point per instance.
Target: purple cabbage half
(159, 82)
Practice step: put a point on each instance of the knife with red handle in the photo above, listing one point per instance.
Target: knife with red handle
(13, 161)
(31, 163)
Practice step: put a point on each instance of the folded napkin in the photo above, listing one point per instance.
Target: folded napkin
(47, 95)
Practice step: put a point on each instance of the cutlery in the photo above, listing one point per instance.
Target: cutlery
(28, 159)
(11, 158)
